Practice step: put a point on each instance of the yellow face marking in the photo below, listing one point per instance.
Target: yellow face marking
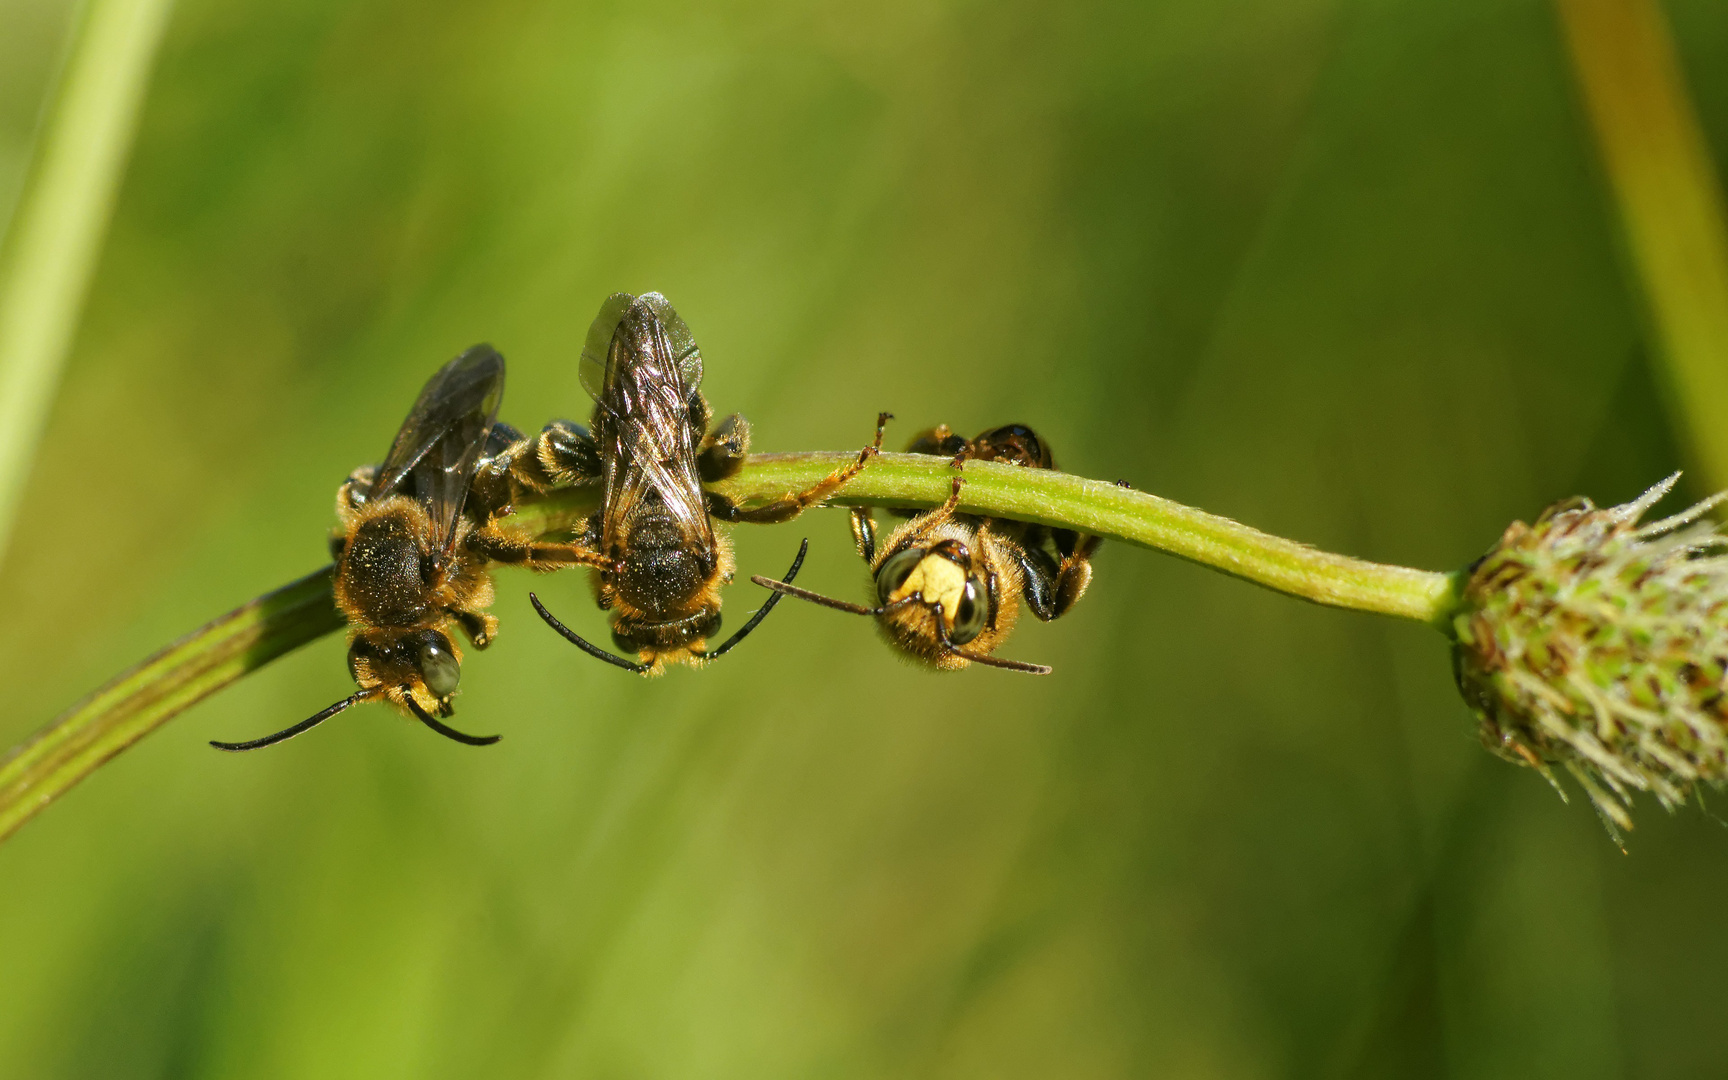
(935, 580)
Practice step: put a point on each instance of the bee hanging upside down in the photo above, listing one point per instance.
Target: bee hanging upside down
(661, 562)
(416, 547)
(948, 585)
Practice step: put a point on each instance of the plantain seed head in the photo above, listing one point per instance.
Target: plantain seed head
(1594, 643)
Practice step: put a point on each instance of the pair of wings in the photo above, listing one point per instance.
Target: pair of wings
(640, 365)
(438, 448)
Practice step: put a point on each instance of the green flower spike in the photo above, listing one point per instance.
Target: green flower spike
(1594, 643)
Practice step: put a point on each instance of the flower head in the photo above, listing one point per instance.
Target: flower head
(1598, 644)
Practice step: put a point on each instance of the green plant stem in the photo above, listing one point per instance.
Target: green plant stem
(51, 248)
(142, 699)
(1670, 202)
(1135, 517)
(145, 697)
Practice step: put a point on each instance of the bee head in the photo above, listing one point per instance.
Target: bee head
(414, 661)
(933, 597)
(941, 578)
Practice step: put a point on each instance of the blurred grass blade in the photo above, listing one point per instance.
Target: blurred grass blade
(1669, 197)
(142, 699)
(51, 249)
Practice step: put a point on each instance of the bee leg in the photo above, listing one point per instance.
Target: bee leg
(563, 454)
(722, 451)
(1053, 587)
(864, 526)
(1040, 573)
(864, 533)
(351, 496)
(939, 441)
(501, 547)
(541, 555)
(795, 503)
(478, 627)
(1075, 573)
(946, 510)
(994, 593)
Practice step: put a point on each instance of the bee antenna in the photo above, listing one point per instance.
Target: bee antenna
(1007, 665)
(814, 598)
(445, 730)
(298, 729)
(581, 643)
(762, 612)
(981, 658)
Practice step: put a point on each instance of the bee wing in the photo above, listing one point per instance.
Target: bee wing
(438, 447)
(643, 369)
(597, 349)
(598, 346)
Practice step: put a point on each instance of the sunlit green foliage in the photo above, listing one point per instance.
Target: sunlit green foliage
(1344, 271)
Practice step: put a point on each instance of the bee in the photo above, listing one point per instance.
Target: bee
(416, 546)
(662, 562)
(948, 585)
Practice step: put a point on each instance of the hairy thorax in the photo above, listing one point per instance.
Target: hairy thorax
(389, 573)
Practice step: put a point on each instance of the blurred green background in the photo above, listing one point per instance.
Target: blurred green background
(1344, 270)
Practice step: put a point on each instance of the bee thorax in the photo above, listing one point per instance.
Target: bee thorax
(383, 571)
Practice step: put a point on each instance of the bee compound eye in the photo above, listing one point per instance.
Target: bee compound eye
(439, 666)
(895, 571)
(969, 614)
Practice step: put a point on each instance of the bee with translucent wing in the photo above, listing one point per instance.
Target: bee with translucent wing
(662, 561)
(415, 548)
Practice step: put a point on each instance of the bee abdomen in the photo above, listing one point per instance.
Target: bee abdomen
(661, 573)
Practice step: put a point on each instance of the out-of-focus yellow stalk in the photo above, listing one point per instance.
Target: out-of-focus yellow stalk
(1659, 167)
(50, 251)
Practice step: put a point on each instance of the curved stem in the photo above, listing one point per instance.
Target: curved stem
(1135, 517)
(223, 651)
(142, 699)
